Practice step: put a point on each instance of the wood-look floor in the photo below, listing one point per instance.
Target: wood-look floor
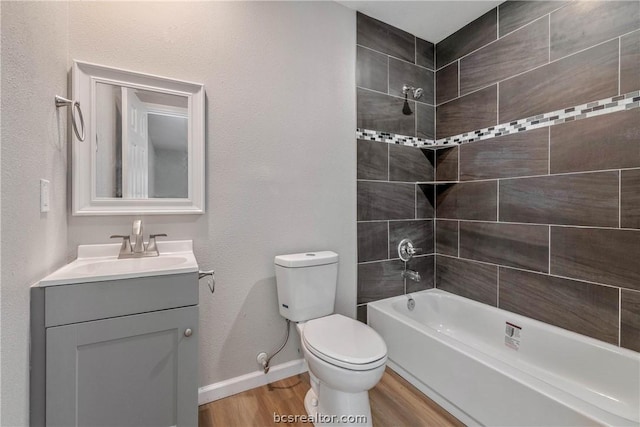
(394, 402)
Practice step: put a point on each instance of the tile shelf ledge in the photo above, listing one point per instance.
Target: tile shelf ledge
(610, 105)
(436, 182)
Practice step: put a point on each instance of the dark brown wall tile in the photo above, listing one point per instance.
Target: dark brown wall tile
(371, 69)
(630, 62)
(514, 245)
(447, 164)
(447, 83)
(514, 14)
(516, 53)
(469, 200)
(606, 256)
(384, 38)
(471, 112)
(372, 160)
(519, 154)
(467, 39)
(580, 78)
(420, 232)
(425, 266)
(384, 113)
(609, 141)
(424, 201)
(447, 237)
(401, 73)
(577, 306)
(425, 52)
(630, 198)
(576, 199)
(361, 313)
(586, 23)
(468, 279)
(630, 320)
(372, 241)
(410, 164)
(383, 200)
(379, 280)
(425, 121)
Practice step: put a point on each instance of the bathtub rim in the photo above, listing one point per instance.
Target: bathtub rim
(516, 373)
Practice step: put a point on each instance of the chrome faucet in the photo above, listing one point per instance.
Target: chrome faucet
(411, 275)
(406, 251)
(138, 249)
(138, 245)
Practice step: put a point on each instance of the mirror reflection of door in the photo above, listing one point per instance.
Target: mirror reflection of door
(135, 141)
(141, 144)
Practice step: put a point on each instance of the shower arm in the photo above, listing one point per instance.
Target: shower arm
(416, 91)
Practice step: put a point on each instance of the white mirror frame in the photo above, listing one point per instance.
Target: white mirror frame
(85, 202)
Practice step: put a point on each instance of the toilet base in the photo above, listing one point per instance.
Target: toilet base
(332, 407)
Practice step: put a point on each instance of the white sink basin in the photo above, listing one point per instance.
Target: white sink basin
(97, 263)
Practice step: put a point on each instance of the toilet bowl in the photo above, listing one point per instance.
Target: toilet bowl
(346, 358)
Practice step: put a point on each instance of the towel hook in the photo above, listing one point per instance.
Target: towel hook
(75, 107)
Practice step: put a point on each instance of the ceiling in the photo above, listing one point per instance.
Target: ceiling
(429, 20)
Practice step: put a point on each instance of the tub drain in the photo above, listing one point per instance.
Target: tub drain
(411, 304)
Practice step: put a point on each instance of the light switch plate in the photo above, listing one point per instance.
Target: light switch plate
(44, 195)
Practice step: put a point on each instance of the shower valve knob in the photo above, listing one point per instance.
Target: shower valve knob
(406, 250)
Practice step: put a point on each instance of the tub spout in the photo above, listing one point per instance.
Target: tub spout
(411, 275)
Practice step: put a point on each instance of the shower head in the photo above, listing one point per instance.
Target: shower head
(406, 110)
(417, 91)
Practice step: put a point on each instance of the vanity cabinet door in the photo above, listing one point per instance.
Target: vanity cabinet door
(138, 370)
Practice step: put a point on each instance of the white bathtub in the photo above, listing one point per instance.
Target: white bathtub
(458, 353)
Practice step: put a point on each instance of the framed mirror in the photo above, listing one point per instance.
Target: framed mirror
(145, 147)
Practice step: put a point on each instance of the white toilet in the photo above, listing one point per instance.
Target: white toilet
(346, 358)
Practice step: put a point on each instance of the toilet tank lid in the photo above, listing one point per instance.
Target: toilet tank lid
(307, 259)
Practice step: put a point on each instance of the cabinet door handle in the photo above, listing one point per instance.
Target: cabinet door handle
(188, 332)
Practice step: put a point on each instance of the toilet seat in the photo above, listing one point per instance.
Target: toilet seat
(344, 342)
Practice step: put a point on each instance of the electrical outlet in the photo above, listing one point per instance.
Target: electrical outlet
(45, 195)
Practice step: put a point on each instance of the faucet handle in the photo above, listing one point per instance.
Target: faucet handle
(406, 250)
(126, 242)
(413, 250)
(152, 245)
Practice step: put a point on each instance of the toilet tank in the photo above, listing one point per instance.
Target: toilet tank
(306, 284)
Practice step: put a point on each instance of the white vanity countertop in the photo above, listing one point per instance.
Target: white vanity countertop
(97, 263)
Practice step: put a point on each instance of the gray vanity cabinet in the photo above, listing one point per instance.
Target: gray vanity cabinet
(137, 367)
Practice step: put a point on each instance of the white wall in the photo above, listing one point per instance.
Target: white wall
(34, 70)
(0, 222)
(281, 149)
(170, 173)
(281, 156)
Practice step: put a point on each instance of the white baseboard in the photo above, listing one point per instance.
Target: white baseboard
(245, 382)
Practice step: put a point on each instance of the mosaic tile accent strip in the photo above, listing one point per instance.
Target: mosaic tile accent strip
(392, 138)
(623, 102)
